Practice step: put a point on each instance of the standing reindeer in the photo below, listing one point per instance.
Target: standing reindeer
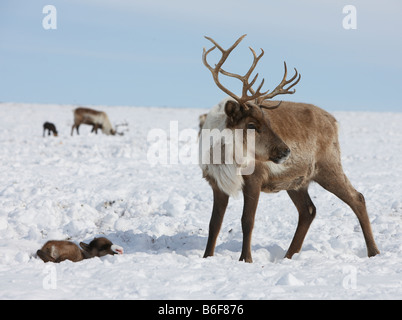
(295, 144)
(98, 120)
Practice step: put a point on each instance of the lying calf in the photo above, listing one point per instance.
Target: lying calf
(57, 251)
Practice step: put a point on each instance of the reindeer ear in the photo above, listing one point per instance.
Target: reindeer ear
(84, 246)
(234, 111)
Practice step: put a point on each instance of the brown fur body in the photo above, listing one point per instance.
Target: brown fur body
(97, 119)
(60, 250)
(295, 144)
(311, 135)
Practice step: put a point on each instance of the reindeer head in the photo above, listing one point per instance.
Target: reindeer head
(268, 146)
(100, 247)
(246, 112)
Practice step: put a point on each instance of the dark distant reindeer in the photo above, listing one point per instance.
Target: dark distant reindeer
(50, 127)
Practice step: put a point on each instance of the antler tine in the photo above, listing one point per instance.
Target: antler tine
(271, 107)
(248, 86)
(294, 77)
(215, 71)
(257, 95)
(244, 79)
(280, 87)
(228, 50)
(255, 61)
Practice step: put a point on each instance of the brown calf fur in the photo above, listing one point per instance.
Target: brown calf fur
(58, 251)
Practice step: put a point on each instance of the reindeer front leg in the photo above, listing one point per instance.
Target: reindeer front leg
(221, 200)
(251, 194)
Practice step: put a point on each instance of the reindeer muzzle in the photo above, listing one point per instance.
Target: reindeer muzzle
(117, 249)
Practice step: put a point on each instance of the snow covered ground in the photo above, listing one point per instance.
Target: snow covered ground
(91, 185)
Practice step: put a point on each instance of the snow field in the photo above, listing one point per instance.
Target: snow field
(96, 185)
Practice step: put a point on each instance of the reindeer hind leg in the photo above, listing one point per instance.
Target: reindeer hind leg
(45, 256)
(333, 179)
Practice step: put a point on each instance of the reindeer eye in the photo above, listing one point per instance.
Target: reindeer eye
(251, 126)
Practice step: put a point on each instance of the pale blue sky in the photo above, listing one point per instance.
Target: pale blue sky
(148, 52)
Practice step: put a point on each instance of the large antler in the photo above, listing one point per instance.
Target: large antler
(258, 96)
(123, 124)
(280, 88)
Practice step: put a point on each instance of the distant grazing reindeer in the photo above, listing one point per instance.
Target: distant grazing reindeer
(58, 251)
(50, 127)
(294, 144)
(98, 120)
